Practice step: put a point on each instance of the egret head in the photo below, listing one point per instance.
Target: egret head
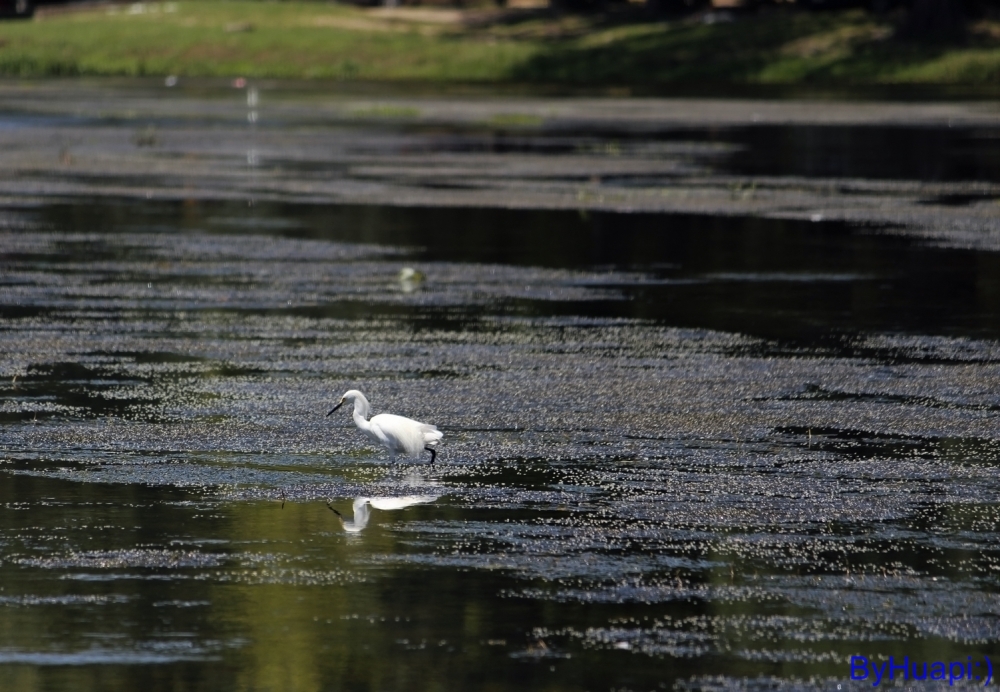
(350, 396)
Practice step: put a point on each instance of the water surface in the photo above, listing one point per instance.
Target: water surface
(681, 451)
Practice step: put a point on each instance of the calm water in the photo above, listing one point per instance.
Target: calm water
(681, 452)
(871, 151)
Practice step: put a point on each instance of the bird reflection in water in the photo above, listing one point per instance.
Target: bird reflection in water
(362, 513)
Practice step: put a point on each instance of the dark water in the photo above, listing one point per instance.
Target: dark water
(680, 452)
(877, 152)
(901, 153)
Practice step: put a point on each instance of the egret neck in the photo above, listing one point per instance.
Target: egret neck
(361, 410)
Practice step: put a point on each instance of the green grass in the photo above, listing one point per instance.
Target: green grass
(290, 39)
(318, 40)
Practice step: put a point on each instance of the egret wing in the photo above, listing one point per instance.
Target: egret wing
(378, 434)
(402, 434)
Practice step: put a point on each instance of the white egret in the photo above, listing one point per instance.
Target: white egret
(395, 433)
(362, 514)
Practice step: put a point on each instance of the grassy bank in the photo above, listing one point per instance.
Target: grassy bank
(319, 40)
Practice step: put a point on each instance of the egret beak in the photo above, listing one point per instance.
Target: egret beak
(336, 407)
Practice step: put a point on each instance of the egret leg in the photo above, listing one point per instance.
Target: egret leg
(433, 453)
